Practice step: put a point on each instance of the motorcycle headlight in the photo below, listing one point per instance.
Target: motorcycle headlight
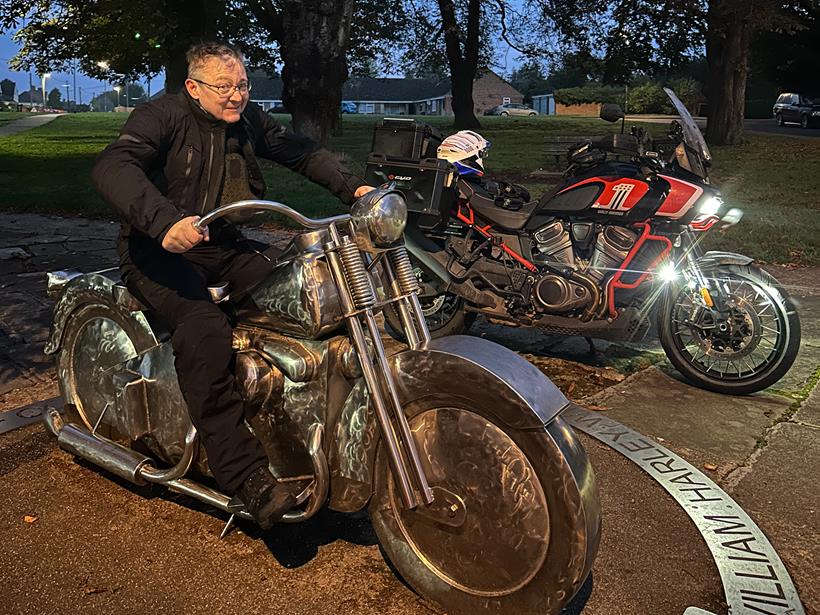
(383, 212)
(710, 206)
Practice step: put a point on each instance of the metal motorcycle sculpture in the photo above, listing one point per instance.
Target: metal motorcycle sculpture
(480, 494)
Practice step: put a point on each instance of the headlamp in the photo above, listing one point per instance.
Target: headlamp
(383, 212)
(710, 206)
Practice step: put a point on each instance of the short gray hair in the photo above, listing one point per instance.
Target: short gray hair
(200, 54)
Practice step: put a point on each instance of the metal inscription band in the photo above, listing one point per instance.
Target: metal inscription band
(754, 578)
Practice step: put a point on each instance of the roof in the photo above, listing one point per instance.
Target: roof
(360, 89)
(381, 89)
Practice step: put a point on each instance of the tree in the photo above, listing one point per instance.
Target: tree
(55, 99)
(529, 79)
(131, 38)
(312, 38)
(106, 101)
(652, 37)
(7, 88)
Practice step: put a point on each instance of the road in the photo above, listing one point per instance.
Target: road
(765, 126)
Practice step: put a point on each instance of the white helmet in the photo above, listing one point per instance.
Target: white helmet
(464, 151)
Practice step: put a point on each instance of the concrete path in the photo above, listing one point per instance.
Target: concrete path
(100, 546)
(26, 123)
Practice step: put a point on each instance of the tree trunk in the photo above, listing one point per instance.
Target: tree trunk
(463, 63)
(314, 41)
(194, 21)
(727, 50)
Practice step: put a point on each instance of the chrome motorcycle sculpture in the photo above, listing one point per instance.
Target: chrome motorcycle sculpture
(480, 494)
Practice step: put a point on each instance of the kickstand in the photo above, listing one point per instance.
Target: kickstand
(228, 527)
(592, 349)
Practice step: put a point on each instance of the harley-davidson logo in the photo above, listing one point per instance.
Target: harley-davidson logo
(621, 193)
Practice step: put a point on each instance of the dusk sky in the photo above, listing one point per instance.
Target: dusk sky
(90, 87)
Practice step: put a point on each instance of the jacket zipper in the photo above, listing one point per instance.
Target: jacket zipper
(208, 178)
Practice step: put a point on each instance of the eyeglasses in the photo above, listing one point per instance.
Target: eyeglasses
(226, 91)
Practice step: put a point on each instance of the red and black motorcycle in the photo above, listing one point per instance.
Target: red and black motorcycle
(616, 240)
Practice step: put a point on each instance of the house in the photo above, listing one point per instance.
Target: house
(399, 96)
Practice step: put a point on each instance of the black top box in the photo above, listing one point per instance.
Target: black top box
(427, 186)
(404, 139)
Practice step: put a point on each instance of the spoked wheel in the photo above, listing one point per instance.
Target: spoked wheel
(518, 540)
(746, 346)
(444, 313)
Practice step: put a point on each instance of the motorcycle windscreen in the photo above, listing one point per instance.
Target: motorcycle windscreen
(691, 133)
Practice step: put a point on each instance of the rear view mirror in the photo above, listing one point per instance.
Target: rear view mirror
(611, 112)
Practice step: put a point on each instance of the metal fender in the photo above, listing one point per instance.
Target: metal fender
(467, 366)
(714, 258)
(95, 289)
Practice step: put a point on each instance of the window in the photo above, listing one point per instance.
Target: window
(795, 99)
(505, 100)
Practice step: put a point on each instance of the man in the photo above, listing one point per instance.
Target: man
(176, 159)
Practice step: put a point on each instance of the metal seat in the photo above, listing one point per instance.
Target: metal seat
(219, 293)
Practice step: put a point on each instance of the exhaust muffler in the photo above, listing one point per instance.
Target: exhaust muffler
(115, 458)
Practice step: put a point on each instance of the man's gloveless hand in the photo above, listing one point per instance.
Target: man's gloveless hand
(183, 236)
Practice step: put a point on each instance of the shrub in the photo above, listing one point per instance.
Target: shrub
(690, 93)
(591, 93)
(648, 98)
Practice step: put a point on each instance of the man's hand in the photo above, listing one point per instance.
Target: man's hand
(183, 236)
(362, 190)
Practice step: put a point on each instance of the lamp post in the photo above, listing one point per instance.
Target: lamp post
(67, 96)
(45, 76)
(118, 88)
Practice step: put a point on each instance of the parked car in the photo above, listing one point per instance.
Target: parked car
(796, 108)
(511, 109)
(349, 107)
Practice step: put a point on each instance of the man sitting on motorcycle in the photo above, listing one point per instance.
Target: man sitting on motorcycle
(176, 159)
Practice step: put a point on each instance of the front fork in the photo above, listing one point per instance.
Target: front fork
(707, 296)
(358, 298)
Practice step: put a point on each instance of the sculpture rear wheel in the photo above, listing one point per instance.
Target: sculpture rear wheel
(97, 338)
(525, 545)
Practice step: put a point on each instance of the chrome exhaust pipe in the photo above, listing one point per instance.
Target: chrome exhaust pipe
(139, 469)
(115, 458)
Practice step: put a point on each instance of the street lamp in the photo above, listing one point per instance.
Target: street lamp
(45, 76)
(118, 88)
(67, 96)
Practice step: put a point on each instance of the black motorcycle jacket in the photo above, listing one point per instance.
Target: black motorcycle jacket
(169, 161)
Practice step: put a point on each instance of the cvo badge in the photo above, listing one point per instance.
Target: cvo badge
(405, 178)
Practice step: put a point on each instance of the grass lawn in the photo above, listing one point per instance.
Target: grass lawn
(773, 179)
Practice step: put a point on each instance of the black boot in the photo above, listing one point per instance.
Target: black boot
(265, 498)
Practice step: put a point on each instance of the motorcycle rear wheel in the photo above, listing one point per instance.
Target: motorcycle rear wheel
(762, 358)
(530, 532)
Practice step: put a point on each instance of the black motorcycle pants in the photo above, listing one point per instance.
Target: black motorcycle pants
(175, 288)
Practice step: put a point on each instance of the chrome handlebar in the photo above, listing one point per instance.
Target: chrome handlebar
(273, 206)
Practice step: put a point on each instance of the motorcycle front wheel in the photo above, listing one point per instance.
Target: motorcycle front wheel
(531, 528)
(747, 346)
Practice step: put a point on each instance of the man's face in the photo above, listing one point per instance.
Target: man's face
(220, 72)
